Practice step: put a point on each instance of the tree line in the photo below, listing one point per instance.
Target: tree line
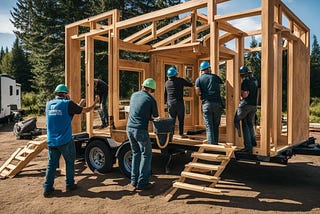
(37, 57)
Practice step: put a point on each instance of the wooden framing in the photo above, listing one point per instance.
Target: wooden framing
(186, 49)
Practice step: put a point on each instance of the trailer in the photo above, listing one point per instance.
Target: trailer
(184, 42)
(10, 98)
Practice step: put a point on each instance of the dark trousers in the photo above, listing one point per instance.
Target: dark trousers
(246, 114)
(103, 112)
(177, 109)
(211, 112)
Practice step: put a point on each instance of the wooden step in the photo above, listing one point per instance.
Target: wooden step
(28, 151)
(20, 158)
(217, 148)
(209, 157)
(197, 188)
(35, 142)
(200, 177)
(204, 166)
(11, 166)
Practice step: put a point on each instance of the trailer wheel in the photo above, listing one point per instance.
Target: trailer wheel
(125, 160)
(98, 156)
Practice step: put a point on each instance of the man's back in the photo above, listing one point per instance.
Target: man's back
(250, 84)
(174, 89)
(142, 107)
(209, 85)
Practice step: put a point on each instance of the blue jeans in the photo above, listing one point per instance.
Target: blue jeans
(211, 112)
(103, 112)
(177, 109)
(141, 156)
(246, 114)
(68, 152)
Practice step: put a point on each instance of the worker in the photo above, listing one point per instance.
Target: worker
(59, 114)
(208, 88)
(101, 89)
(143, 108)
(247, 108)
(174, 97)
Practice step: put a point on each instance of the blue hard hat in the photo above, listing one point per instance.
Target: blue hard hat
(204, 65)
(244, 70)
(172, 72)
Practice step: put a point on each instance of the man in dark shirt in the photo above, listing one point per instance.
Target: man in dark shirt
(59, 114)
(143, 108)
(174, 97)
(101, 89)
(247, 108)
(208, 88)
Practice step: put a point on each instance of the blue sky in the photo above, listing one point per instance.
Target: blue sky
(307, 10)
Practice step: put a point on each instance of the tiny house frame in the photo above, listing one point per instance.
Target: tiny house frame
(186, 49)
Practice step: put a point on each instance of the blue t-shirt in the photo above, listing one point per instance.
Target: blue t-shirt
(59, 113)
(142, 107)
(209, 85)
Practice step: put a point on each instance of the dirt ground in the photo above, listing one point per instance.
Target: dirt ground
(252, 188)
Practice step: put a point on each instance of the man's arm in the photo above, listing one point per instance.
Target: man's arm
(198, 91)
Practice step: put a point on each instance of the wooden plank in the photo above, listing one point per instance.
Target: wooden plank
(165, 29)
(89, 63)
(173, 47)
(178, 35)
(291, 16)
(162, 14)
(73, 72)
(20, 158)
(133, 47)
(99, 17)
(209, 157)
(224, 38)
(267, 62)
(139, 34)
(214, 37)
(197, 188)
(200, 177)
(11, 166)
(10, 159)
(217, 148)
(238, 15)
(95, 32)
(203, 166)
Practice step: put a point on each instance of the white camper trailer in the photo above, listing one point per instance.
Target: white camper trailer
(10, 97)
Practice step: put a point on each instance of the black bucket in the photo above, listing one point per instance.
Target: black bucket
(162, 127)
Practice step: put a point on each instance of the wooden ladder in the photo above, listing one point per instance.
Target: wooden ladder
(22, 156)
(197, 171)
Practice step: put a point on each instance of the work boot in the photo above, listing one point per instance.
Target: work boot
(48, 194)
(71, 188)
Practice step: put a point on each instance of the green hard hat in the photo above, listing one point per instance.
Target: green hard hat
(149, 83)
(61, 88)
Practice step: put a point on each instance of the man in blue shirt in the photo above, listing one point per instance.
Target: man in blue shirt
(208, 88)
(174, 97)
(247, 108)
(143, 108)
(59, 114)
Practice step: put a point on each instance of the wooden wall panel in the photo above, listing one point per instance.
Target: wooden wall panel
(73, 72)
(298, 93)
(89, 85)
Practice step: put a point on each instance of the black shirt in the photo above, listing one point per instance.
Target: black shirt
(74, 108)
(250, 84)
(209, 85)
(101, 89)
(174, 89)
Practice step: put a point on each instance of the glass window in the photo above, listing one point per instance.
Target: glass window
(11, 90)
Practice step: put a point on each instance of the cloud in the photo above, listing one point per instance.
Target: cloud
(6, 25)
(247, 24)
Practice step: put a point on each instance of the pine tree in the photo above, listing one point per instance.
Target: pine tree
(253, 60)
(315, 69)
(6, 66)
(21, 67)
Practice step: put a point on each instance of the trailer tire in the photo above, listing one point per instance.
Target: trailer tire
(98, 156)
(125, 160)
